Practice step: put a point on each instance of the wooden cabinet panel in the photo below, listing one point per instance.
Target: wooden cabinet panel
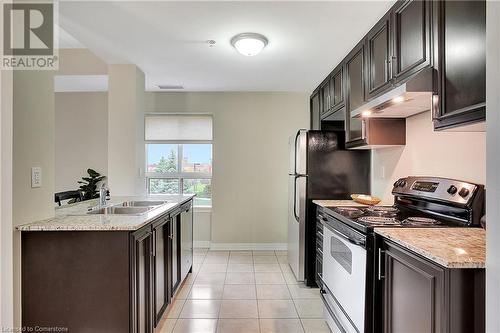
(417, 295)
(160, 265)
(337, 88)
(315, 112)
(142, 244)
(379, 50)
(338, 91)
(461, 43)
(325, 98)
(355, 83)
(412, 38)
(175, 272)
(416, 285)
(77, 279)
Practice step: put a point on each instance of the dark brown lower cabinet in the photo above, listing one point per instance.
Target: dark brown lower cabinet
(102, 281)
(161, 253)
(142, 280)
(418, 295)
(174, 247)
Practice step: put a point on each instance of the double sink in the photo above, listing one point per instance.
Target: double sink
(128, 208)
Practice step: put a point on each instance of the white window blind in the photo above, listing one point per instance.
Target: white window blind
(178, 128)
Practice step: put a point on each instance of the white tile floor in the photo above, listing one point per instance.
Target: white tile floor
(243, 292)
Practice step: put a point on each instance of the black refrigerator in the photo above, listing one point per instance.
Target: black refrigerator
(320, 168)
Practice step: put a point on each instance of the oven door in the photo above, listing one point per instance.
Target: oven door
(344, 274)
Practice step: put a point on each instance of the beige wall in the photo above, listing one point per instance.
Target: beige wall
(6, 227)
(80, 62)
(81, 135)
(33, 110)
(250, 157)
(202, 227)
(460, 155)
(125, 130)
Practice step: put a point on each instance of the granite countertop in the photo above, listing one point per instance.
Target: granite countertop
(448, 247)
(339, 203)
(75, 218)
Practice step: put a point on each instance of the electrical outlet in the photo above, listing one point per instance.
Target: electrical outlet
(36, 177)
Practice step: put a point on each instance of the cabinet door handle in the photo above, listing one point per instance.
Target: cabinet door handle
(388, 70)
(154, 243)
(435, 107)
(392, 68)
(380, 252)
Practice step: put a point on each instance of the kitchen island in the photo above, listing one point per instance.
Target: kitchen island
(90, 272)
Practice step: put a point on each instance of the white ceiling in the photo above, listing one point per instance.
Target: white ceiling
(167, 40)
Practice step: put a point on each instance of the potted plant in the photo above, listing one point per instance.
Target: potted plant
(89, 184)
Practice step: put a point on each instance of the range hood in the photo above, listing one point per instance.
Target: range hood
(410, 98)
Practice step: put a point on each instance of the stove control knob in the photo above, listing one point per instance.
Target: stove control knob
(463, 192)
(452, 190)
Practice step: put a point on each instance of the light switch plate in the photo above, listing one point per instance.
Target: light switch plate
(36, 177)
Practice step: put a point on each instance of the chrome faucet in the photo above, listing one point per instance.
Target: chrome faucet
(103, 191)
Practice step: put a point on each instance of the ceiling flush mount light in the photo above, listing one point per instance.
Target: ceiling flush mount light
(366, 113)
(249, 43)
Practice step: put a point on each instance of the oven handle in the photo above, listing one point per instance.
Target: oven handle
(347, 238)
(334, 317)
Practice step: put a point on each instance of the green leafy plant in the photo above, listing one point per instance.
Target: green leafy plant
(89, 184)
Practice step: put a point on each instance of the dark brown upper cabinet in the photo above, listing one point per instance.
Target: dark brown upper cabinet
(412, 46)
(379, 55)
(315, 111)
(355, 88)
(325, 97)
(337, 88)
(460, 37)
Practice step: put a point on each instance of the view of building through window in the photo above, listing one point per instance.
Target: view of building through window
(180, 169)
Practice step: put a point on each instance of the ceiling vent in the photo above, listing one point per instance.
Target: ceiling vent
(170, 87)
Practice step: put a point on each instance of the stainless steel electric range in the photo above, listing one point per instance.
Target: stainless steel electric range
(348, 270)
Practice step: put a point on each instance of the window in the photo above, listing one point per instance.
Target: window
(179, 156)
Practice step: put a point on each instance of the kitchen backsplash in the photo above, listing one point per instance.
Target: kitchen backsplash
(460, 155)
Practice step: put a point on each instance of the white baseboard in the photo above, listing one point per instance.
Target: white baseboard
(249, 246)
(201, 244)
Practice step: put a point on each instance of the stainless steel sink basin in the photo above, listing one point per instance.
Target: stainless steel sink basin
(144, 203)
(120, 210)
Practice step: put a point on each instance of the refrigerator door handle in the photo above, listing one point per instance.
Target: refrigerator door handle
(295, 150)
(297, 218)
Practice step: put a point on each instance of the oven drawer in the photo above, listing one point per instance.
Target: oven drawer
(334, 316)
